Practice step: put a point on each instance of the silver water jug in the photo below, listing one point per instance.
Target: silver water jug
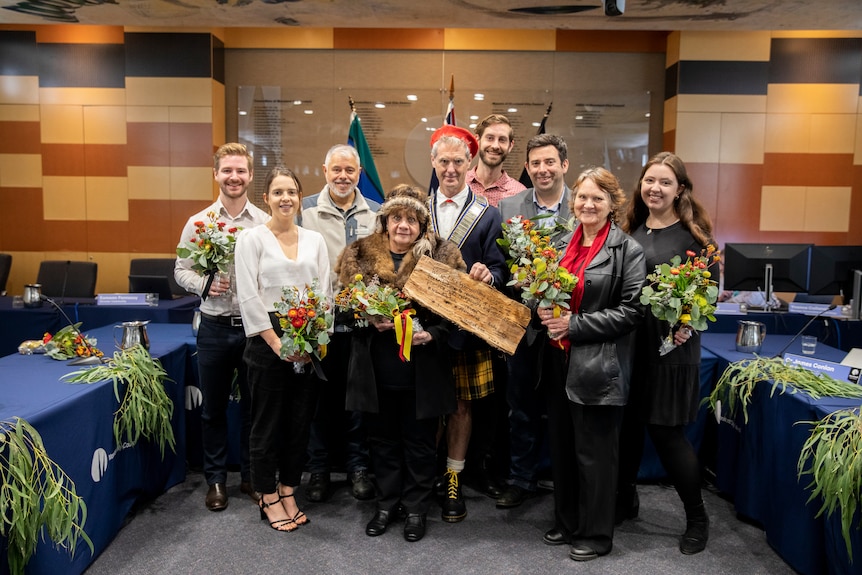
(33, 295)
(134, 333)
(750, 336)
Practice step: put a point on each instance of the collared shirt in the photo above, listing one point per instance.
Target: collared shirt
(249, 217)
(542, 210)
(504, 187)
(448, 210)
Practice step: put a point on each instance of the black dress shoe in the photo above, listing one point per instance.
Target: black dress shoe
(245, 487)
(317, 489)
(379, 523)
(582, 553)
(217, 497)
(513, 496)
(414, 527)
(556, 536)
(482, 482)
(363, 488)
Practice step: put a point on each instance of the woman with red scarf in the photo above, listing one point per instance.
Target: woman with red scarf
(588, 366)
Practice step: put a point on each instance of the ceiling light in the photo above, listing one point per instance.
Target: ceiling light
(412, 97)
(579, 117)
(474, 117)
(243, 113)
(297, 102)
(479, 97)
(512, 110)
(424, 119)
(308, 112)
(380, 105)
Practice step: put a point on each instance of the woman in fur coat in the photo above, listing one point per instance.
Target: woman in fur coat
(403, 399)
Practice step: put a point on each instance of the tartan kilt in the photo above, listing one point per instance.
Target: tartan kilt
(474, 373)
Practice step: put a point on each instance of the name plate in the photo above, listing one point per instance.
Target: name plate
(832, 369)
(805, 308)
(151, 299)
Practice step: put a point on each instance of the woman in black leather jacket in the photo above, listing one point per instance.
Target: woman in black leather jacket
(588, 366)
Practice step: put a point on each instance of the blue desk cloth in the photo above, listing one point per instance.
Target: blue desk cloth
(76, 425)
(21, 324)
(757, 465)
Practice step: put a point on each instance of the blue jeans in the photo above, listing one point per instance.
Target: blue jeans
(219, 355)
(526, 422)
(333, 429)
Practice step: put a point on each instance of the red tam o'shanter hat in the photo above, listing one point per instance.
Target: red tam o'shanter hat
(460, 133)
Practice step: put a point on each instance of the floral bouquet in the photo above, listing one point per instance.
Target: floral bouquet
(683, 293)
(374, 300)
(305, 320)
(535, 264)
(68, 342)
(211, 248)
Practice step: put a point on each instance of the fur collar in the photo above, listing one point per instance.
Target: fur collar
(370, 256)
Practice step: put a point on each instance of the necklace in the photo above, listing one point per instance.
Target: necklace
(649, 230)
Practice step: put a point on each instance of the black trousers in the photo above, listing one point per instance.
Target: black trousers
(282, 405)
(584, 443)
(403, 451)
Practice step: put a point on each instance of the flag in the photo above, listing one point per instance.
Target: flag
(369, 182)
(525, 177)
(449, 121)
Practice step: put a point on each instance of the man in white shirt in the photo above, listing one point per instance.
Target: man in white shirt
(467, 219)
(342, 215)
(221, 340)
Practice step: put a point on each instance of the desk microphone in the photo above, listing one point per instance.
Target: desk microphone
(65, 281)
(92, 359)
(804, 327)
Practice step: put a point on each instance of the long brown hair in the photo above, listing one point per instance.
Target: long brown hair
(691, 213)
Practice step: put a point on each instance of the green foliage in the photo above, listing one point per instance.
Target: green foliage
(736, 385)
(680, 292)
(145, 408)
(834, 450)
(35, 495)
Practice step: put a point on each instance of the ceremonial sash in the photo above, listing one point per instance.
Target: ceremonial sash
(466, 221)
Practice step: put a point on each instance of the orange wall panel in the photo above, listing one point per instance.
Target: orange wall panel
(20, 138)
(148, 144)
(151, 230)
(807, 169)
(63, 160)
(387, 39)
(22, 212)
(105, 236)
(105, 159)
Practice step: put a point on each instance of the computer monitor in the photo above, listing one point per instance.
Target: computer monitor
(151, 284)
(766, 267)
(837, 270)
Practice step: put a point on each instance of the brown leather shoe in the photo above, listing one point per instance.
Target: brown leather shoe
(245, 487)
(217, 497)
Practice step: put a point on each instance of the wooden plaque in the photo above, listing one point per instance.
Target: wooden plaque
(470, 304)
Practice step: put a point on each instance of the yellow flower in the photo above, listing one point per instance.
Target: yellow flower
(685, 318)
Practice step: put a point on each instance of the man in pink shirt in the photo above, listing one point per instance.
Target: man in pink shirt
(488, 178)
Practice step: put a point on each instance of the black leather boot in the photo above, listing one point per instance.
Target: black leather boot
(628, 503)
(696, 530)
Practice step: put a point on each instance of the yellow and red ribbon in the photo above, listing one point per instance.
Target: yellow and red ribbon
(404, 332)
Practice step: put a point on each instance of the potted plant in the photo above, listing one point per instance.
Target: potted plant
(145, 408)
(35, 495)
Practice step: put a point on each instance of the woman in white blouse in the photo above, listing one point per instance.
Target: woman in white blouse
(269, 257)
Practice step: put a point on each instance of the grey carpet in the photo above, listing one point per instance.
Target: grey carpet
(175, 534)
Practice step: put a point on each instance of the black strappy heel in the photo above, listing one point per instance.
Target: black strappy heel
(299, 514)
(278, 523)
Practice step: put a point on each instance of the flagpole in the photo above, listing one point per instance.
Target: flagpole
(352, 104)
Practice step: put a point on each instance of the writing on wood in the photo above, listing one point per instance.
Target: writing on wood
(471, 305)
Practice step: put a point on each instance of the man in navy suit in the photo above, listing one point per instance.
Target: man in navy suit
(473, 224)
(547, 164)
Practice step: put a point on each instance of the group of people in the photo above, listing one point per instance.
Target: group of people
(594, 370)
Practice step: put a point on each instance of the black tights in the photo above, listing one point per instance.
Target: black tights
(674, 450)
(679, 460)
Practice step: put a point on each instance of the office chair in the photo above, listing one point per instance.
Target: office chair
(156, 267)
(66, 278)
(5, 266)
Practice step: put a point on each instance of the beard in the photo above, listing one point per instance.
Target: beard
(335, 191)
(491, 163)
